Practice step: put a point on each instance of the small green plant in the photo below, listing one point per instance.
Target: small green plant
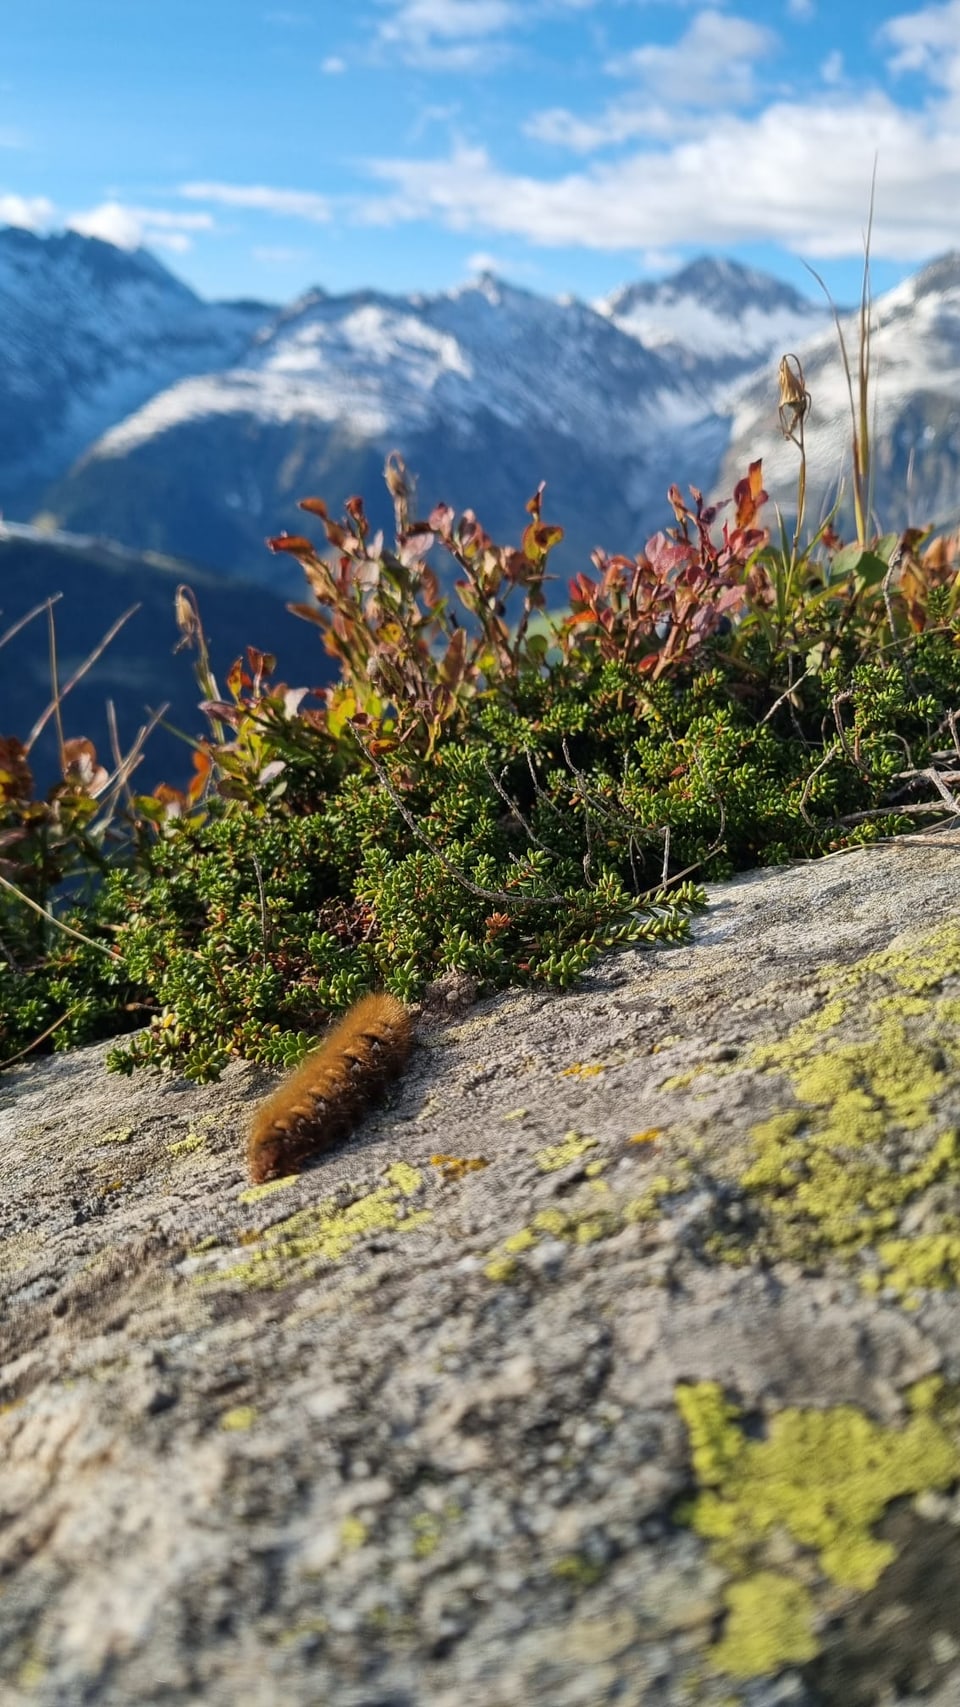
(488, 787)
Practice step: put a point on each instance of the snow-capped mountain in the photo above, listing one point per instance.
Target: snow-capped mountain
(131, 409)
(486, 390)
(87, 333)
(914, 410)
(715, 321)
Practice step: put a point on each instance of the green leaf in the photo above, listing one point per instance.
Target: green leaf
(862, 563)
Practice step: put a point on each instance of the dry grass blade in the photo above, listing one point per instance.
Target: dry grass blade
(60, 694)
(859, 405)
(58, 924)
(37, 610)
(119, 778)
(10, 1060)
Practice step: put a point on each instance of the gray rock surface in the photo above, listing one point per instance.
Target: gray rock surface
(405, 1432)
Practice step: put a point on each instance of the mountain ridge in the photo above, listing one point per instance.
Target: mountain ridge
(132, 409)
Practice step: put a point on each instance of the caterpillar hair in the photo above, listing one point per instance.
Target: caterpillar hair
(321, 1100)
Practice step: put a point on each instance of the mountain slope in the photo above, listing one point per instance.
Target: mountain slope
(87, 333)
(915, 386)
(714, 321)
(485, 390)
(140, 669)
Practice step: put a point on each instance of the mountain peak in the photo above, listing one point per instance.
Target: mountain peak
(723, 285)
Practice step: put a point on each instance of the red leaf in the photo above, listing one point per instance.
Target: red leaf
(748, 495)
(294, 543)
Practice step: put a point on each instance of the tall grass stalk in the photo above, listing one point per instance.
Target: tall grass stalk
(859, 402)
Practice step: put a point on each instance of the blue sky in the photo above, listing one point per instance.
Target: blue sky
(260, 148)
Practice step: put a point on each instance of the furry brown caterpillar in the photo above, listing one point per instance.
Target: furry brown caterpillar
(322, 1098)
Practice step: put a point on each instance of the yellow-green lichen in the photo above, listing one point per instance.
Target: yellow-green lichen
(680, 1081)
(583, 1223)
(556, 1156)
(576, 1568)
(353, 1534)
(407, 1180)
(869, 1074)
(186, 1146)
(521, 1241)
(326, 1232)
(240, 1418)
(820, 1478)
(256, 1193)
(117, 1135)
(769, 1625)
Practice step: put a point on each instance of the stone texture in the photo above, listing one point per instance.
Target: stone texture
(400, 1433)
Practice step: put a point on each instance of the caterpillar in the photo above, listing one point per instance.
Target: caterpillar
(321, 1099)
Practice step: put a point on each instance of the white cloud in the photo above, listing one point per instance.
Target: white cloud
(928, 42)
(661, 261)
(620, 121)
(451, 35)
(797, 175)
(482, 262)
(711, 65)
(832, 69)
(29, 212)
(276, 254)
(129, 227)
(10, 137)
(298, 204)
(801, 8)
(333, 65)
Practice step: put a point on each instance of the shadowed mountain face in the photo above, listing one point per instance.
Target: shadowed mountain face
(141, 669)
(87, 333)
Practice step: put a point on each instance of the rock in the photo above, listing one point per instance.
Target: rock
(658, 1401)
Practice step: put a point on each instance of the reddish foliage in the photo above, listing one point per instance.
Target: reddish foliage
(656, 609)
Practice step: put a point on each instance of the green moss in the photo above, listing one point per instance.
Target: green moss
(821, 1478)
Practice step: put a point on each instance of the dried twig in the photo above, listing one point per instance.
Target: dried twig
(60, 694)
(9, 1060)
(51, 919)
(22, 623)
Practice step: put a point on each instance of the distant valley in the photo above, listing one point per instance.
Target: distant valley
(142, 670)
